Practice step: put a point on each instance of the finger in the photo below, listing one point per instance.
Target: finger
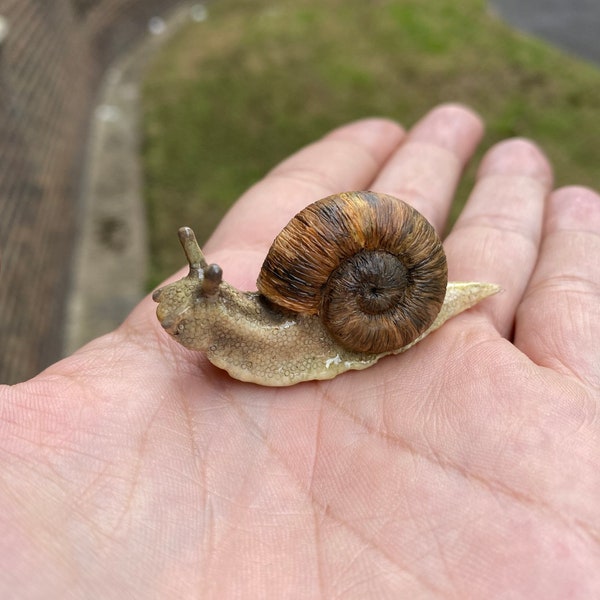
(347, 158)
(426, 168)
(496, 237)
(558, 322)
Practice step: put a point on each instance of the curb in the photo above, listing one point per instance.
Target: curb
(111, 254)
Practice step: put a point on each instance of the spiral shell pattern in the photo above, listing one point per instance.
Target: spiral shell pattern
(369, 264)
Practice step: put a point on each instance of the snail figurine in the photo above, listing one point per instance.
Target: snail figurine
(351, 278)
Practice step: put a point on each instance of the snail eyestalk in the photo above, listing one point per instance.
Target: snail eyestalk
(192, 251)
(213, 275)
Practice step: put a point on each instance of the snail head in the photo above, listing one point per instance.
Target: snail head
(180, 303)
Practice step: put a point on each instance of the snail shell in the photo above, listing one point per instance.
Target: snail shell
(370, 265)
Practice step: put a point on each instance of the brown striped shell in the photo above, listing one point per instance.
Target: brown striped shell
(370, 265)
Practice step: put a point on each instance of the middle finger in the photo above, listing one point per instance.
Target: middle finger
(426, 168)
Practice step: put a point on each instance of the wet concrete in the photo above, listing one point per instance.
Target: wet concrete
(572, 25)
(110, 266)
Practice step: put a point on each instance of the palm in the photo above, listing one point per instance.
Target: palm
(463, 468)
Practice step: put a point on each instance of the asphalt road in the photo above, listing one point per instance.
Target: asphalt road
(573, 25)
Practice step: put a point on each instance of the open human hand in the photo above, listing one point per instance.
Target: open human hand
(467, 467)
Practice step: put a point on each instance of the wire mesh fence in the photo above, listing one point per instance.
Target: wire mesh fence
(52, 56)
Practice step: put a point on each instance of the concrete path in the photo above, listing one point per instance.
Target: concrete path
(573, 25)
(110, 266)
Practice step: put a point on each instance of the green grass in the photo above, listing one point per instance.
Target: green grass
(230, 97)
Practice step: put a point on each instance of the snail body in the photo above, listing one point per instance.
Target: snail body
(352, 278)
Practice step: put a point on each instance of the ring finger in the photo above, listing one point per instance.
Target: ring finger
(426, 168)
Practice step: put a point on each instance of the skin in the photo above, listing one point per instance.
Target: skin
(464, 468)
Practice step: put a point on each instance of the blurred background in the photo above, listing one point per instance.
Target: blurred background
(121, 120)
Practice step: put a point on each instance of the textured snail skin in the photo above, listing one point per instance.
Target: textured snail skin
(253, 340)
